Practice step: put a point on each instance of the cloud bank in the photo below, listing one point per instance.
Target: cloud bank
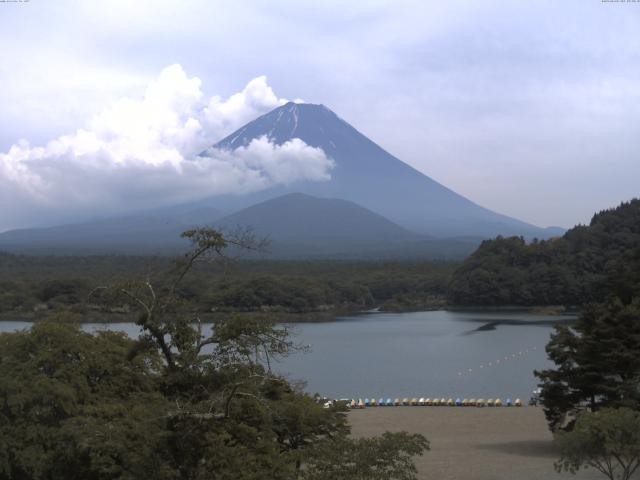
(144, 153)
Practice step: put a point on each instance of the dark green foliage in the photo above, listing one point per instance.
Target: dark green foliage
(607, 440)
(174, 404)
(63, 291)
(293, 294)
(35, 286)
(71, 404)
(597, 363)
(29, 285)
(589, 263)
(386, 457)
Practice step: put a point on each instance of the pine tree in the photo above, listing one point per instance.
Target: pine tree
(598, 363)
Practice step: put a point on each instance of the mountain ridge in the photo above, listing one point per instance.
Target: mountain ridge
(370, 176)
(299, 226)
(148, 232)
(302, 226)
(379, 189)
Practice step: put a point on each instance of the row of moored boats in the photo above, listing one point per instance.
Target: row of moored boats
(435, 402)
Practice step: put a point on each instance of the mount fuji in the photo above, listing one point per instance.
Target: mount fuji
(368, 175)
(373, 205)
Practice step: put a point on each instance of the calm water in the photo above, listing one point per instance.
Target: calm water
(431, 354)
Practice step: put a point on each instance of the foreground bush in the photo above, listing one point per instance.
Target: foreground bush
(607, 440)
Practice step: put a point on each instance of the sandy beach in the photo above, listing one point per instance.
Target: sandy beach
(473, 443)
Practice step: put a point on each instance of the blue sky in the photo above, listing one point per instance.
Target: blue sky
(530, 108)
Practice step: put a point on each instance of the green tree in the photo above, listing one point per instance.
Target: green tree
(597, 363)
(607, 440)
(587, 264)
(73, 406)
(388, 457)
(180, 402)
(299, 424)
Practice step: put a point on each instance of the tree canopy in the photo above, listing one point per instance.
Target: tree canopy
(588, 264)
(36, 286)
(607, 440)
(175, 403)
(597, 363)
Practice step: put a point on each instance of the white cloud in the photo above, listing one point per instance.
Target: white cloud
(257, 97)
(143, 153)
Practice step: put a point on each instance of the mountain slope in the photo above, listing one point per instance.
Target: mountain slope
(152, 232)
(297, 225)
(383, 201)
(300, 225)
(368, 175)
(299, 218)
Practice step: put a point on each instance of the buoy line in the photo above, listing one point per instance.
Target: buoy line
(497, 362)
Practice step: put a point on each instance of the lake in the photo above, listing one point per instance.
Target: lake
(431, 354)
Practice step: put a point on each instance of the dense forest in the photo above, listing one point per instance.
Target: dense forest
(174, 403)
(36, 286)
(587, 264)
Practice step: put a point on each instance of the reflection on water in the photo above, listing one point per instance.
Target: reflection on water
(430, 354)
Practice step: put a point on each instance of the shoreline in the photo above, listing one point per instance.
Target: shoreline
(292, 317)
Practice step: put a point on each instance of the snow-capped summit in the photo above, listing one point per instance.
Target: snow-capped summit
(370, 176)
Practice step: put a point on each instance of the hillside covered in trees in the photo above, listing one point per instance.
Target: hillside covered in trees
(33, 287)
(587, 264)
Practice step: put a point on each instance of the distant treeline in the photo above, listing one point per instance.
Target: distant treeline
(33, 286)
(587, 264)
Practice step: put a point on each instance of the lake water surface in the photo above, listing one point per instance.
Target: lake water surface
(430, 354)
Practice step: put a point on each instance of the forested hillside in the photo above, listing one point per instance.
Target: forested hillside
(587, 264)
(36, 286)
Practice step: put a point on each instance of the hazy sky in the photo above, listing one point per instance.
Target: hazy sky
(529, 108)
